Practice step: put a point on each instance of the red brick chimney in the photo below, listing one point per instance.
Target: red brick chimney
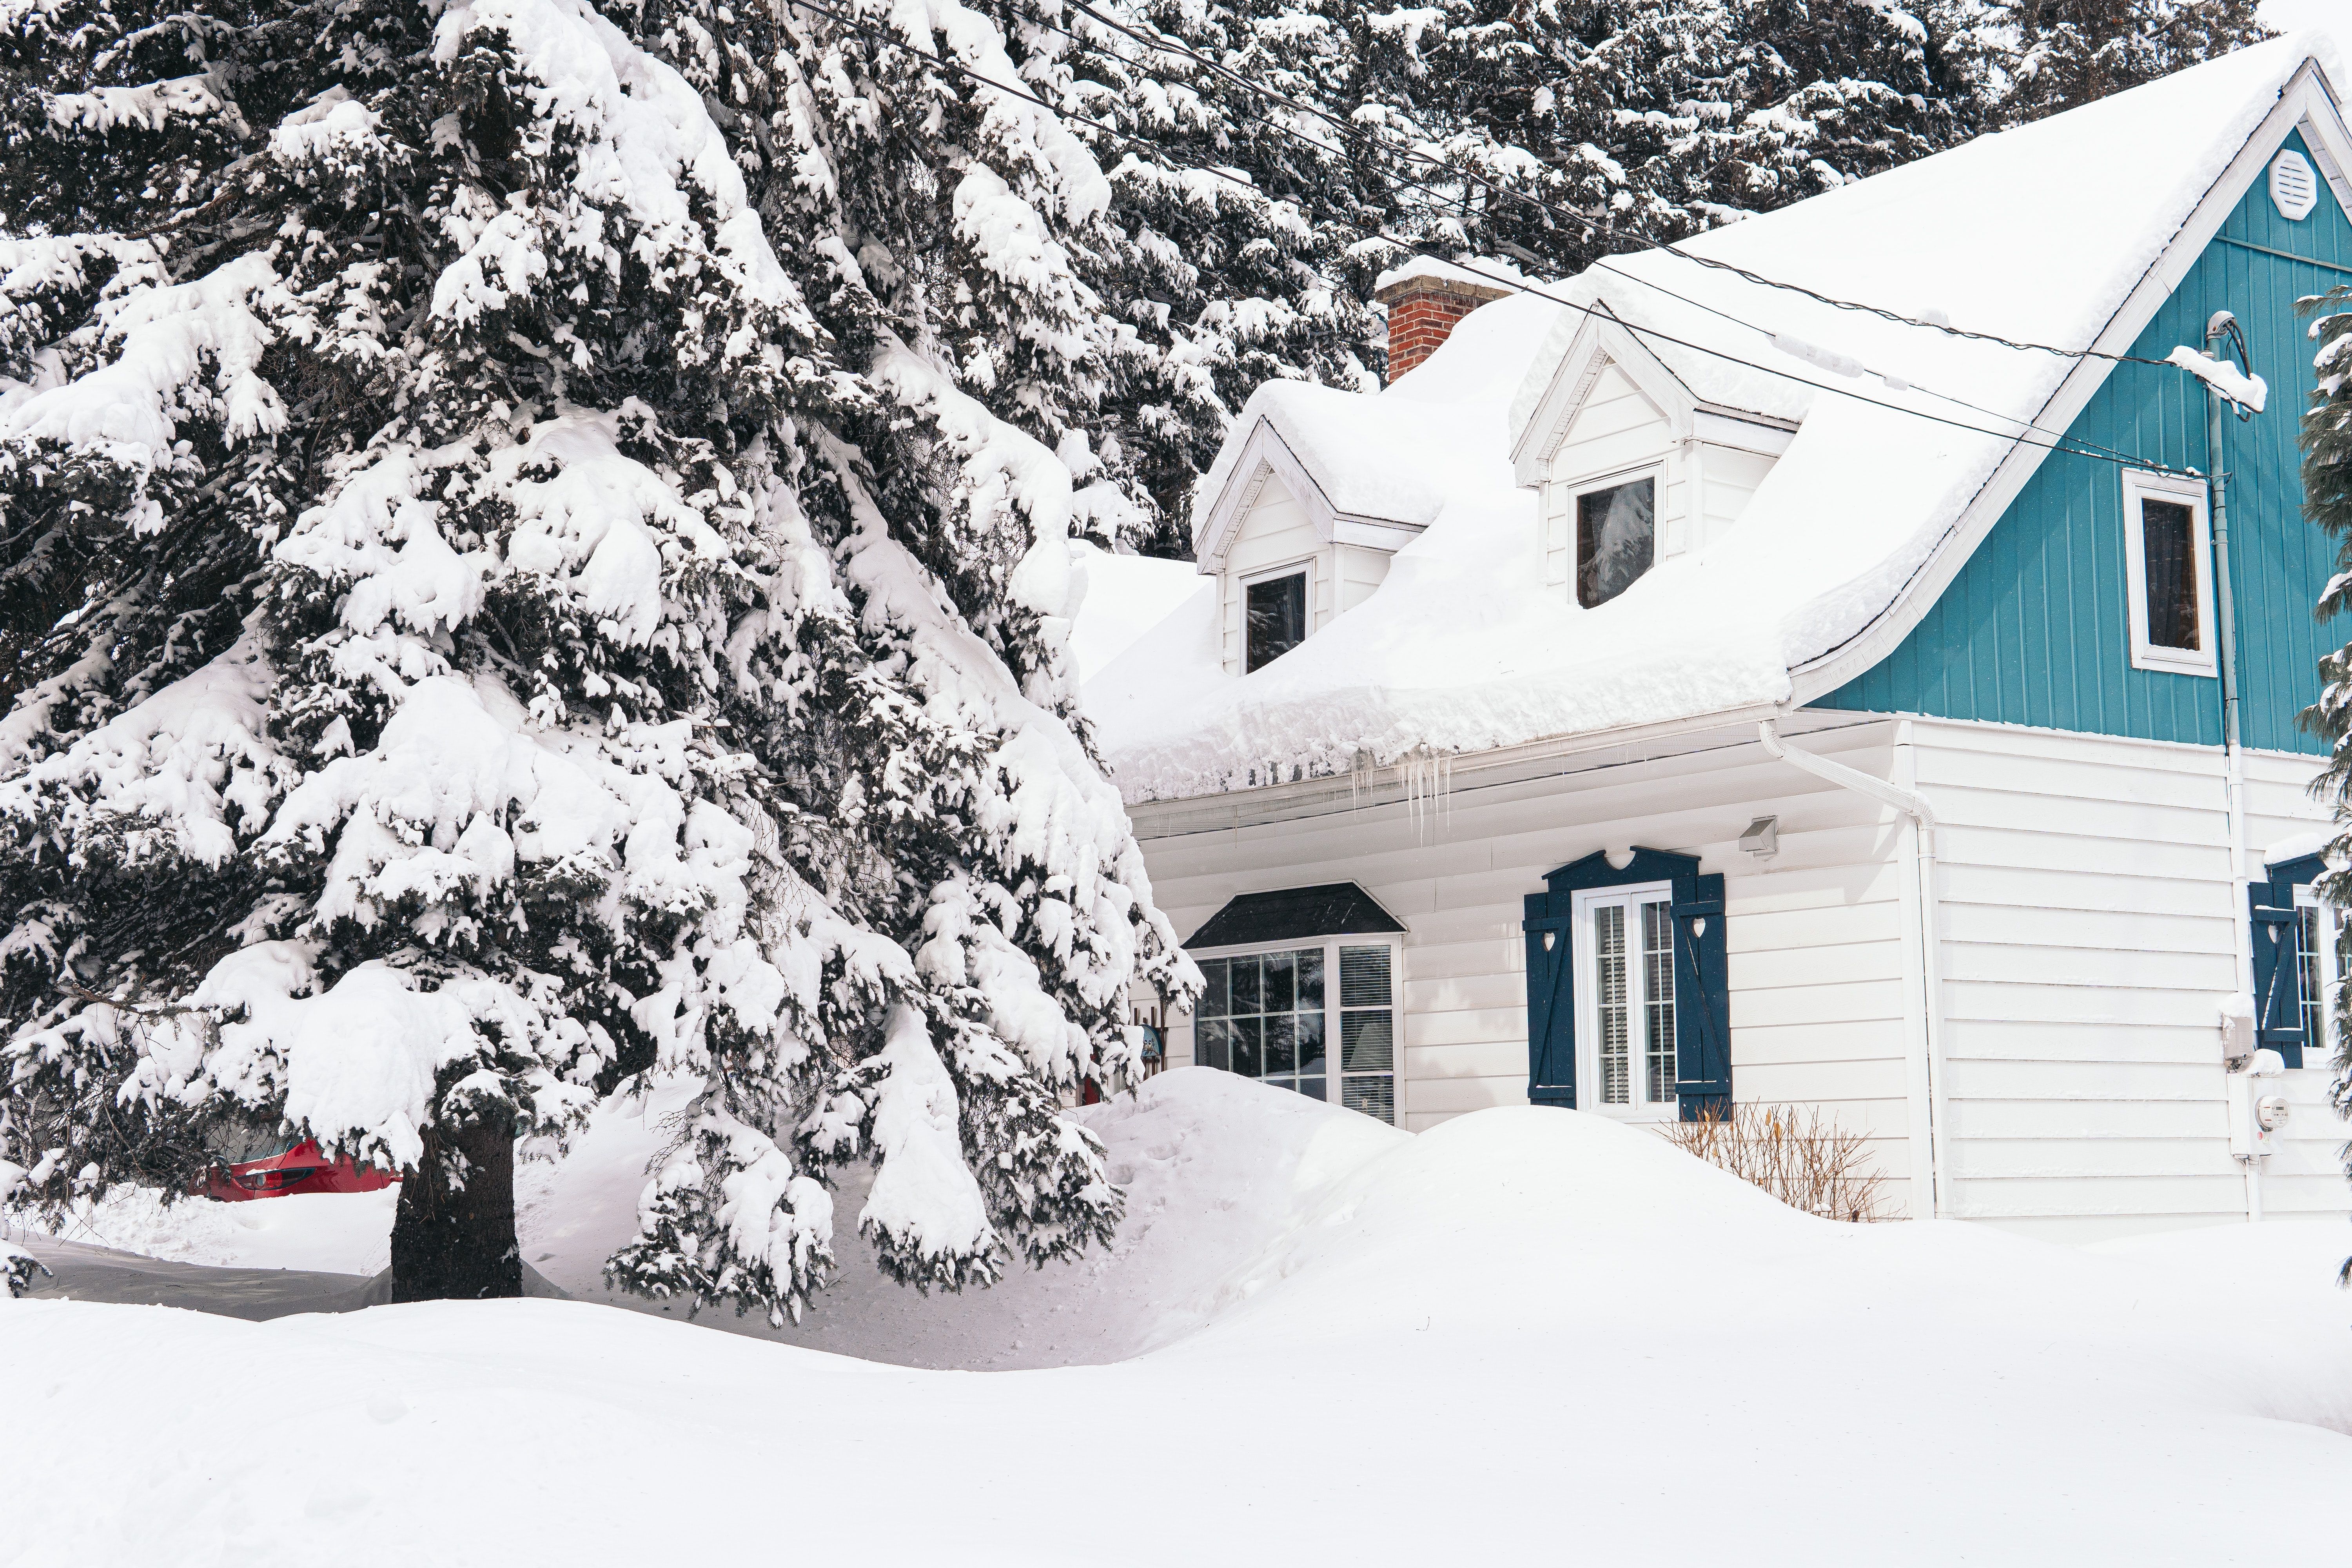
(1426, 297)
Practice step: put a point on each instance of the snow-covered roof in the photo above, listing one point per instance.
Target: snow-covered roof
(1392, 459)
(2053, 233)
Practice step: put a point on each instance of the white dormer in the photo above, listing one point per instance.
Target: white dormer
(1634, 468)
(1300, 526)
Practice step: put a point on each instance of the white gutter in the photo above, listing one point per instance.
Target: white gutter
(1922, 825)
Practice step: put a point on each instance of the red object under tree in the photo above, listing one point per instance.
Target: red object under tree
(304, 1168)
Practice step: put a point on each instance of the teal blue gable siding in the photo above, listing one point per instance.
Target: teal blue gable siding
(2034, 629)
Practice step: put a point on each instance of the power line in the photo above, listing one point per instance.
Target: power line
(2089, 448)
(1594, 222)
(2108, 455)
(1418, 247)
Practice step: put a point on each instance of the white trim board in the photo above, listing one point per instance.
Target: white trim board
(1264, 456)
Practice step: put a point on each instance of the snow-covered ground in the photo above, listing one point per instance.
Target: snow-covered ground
(1525, 1334)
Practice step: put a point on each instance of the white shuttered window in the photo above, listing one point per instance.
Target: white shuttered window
(1625, 989)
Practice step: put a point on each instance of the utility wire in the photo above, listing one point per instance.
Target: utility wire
(1593, 222)
(1419, 247)
(2090, 448)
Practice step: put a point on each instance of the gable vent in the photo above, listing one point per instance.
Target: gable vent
(2294, 189)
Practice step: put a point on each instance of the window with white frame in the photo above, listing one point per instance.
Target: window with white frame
(1318, 1018)
(1625, 986)
(1616, 536)
(1275, 611)
(2168, 549)
(2316, 926)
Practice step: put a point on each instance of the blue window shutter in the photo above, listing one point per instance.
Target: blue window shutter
(1551, 1010)
(2277, 939)
(1703, 1021)
(2278, 978)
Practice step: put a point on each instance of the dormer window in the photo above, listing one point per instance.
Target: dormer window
(1277, 618)
(1616, 537)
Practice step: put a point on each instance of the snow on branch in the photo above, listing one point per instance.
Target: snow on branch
(165, 337)
(152, 107)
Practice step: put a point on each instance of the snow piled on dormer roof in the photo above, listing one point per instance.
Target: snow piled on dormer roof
(2039, 235)
(1396, 455)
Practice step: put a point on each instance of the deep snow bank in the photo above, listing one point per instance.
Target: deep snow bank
(1527, 1334)
(1217, 1171)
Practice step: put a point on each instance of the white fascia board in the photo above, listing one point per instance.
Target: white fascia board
(1748, 432)
(1600, 342)
(2306, 104)
(1264, 454)
(1378, 533)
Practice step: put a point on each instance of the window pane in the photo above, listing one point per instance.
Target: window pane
(1281, 1044)
(2314, 1000)
(1212, 1043)
(1280, 984)
(1366, 1043)
(1213, 988)
(1245, 986)
(1363, 977)
(1312, 1088)
(1311, 980)
(1372, 1096)
(1277, 619)
(2167, 541)
(1608, 964)
(1615, 535)
(1310, 1042)
(1658, 976)
(1247, 1036)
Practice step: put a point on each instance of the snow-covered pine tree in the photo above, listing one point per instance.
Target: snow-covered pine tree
(2044, 56)
(1230, 257)
(529, 587)
(1669, 116)
(2327, 503)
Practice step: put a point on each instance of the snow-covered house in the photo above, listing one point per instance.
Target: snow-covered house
(1717, 680)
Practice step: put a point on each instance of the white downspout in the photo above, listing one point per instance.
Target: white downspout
(1923, 822)
(2241, 923)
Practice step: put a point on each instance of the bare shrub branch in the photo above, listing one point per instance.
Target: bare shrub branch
(1798, 1157)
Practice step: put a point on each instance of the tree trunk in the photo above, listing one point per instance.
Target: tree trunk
(453, 1242)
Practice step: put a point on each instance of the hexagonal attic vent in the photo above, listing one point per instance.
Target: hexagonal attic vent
(2294, 189)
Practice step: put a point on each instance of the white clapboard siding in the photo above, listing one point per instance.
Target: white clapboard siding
(1814, 935)
(2087, 924)
(1728, 479)
(2306, 1176)
(2089, 938)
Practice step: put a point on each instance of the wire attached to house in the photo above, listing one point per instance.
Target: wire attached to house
(1421, 248)
(2088, 446)
(1594, 223)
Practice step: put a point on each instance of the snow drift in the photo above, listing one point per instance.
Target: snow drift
(1523, 1329)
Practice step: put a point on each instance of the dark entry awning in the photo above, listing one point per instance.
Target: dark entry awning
(1295, 914)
